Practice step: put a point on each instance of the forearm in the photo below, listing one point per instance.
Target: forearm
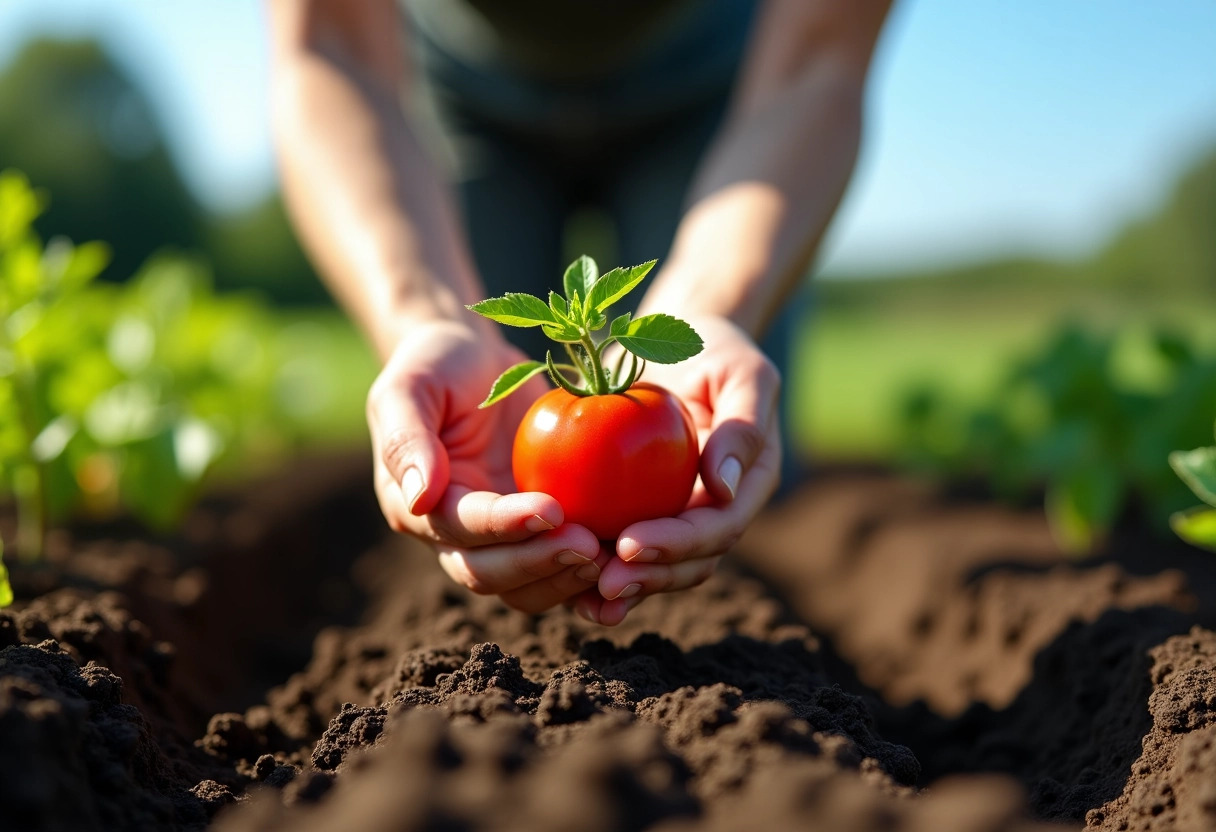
(771, 182)
(369, 207)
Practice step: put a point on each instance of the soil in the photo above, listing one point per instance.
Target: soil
(876, 655)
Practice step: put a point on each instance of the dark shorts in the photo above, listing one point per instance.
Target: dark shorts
(530, 152)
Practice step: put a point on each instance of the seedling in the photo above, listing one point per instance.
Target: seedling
(572, 320)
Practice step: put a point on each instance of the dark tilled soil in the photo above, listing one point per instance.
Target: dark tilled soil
(875, 657)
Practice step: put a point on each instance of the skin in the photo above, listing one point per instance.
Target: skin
(378, 221)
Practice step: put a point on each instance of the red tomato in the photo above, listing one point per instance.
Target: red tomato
(609, 460)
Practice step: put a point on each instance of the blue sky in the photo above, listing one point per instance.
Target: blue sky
(1023, 125)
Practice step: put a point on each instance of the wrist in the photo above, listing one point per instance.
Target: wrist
(694, 296)
(403, 315)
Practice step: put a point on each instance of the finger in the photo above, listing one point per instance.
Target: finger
(590, 605)
(494, 570)
(587, 604)
(612, 613)
(705, 531)
(620, 580)
(744, 410)
(393, 506)
(563, 587)
(404, 419)
(482, 518)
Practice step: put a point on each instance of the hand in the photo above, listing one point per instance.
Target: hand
(730, 389)
(443, 470)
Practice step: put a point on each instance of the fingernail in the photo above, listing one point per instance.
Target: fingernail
(569, 557)
(730, 471)
(412, 486)
(590, 572)
(647, 555)
(536, 523)
(629, 591)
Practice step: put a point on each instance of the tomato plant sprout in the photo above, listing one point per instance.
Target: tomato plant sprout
(1197, 469)
(573, 321)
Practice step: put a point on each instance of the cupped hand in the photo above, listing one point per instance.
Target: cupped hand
(731, 389)
(443, 470)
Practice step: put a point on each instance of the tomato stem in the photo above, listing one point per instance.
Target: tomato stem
(560, 380)
(579, 362)
(598, 380)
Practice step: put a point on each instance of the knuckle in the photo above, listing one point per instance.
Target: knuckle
(398, 446)
(751, 439)
(528, 566)
(458, 570)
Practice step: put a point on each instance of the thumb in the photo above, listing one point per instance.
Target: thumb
(743, 412)
(405, 422)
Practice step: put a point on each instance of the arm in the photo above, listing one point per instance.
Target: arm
(379, 223)
(773, 178)
(370, 208)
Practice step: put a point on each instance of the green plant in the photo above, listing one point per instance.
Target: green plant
(42, 324)
(122, 397)
(1197, 468)
(572, 321)
(1067, 421)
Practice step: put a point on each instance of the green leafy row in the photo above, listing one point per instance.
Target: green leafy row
(1067, 424)
(571, 320)
(121, 398)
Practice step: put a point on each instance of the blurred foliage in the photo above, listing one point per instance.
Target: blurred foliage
(121, 397)
(1074, 419)
(76, 124)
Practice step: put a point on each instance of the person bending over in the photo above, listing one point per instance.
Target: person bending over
(431, 153)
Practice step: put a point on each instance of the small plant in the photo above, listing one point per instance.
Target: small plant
(610, 449)
(38, 287)
(120, 397)
(1197, 469)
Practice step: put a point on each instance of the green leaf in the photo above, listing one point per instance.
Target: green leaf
(563, 333)
(1196, 526)
(615, 284)
(515, 309)
(557, 305)
(1198, 470)
(512, 380)
(580, 277)
(620, 325)
(660, 338)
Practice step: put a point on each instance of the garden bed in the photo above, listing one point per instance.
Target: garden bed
(875, 656)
